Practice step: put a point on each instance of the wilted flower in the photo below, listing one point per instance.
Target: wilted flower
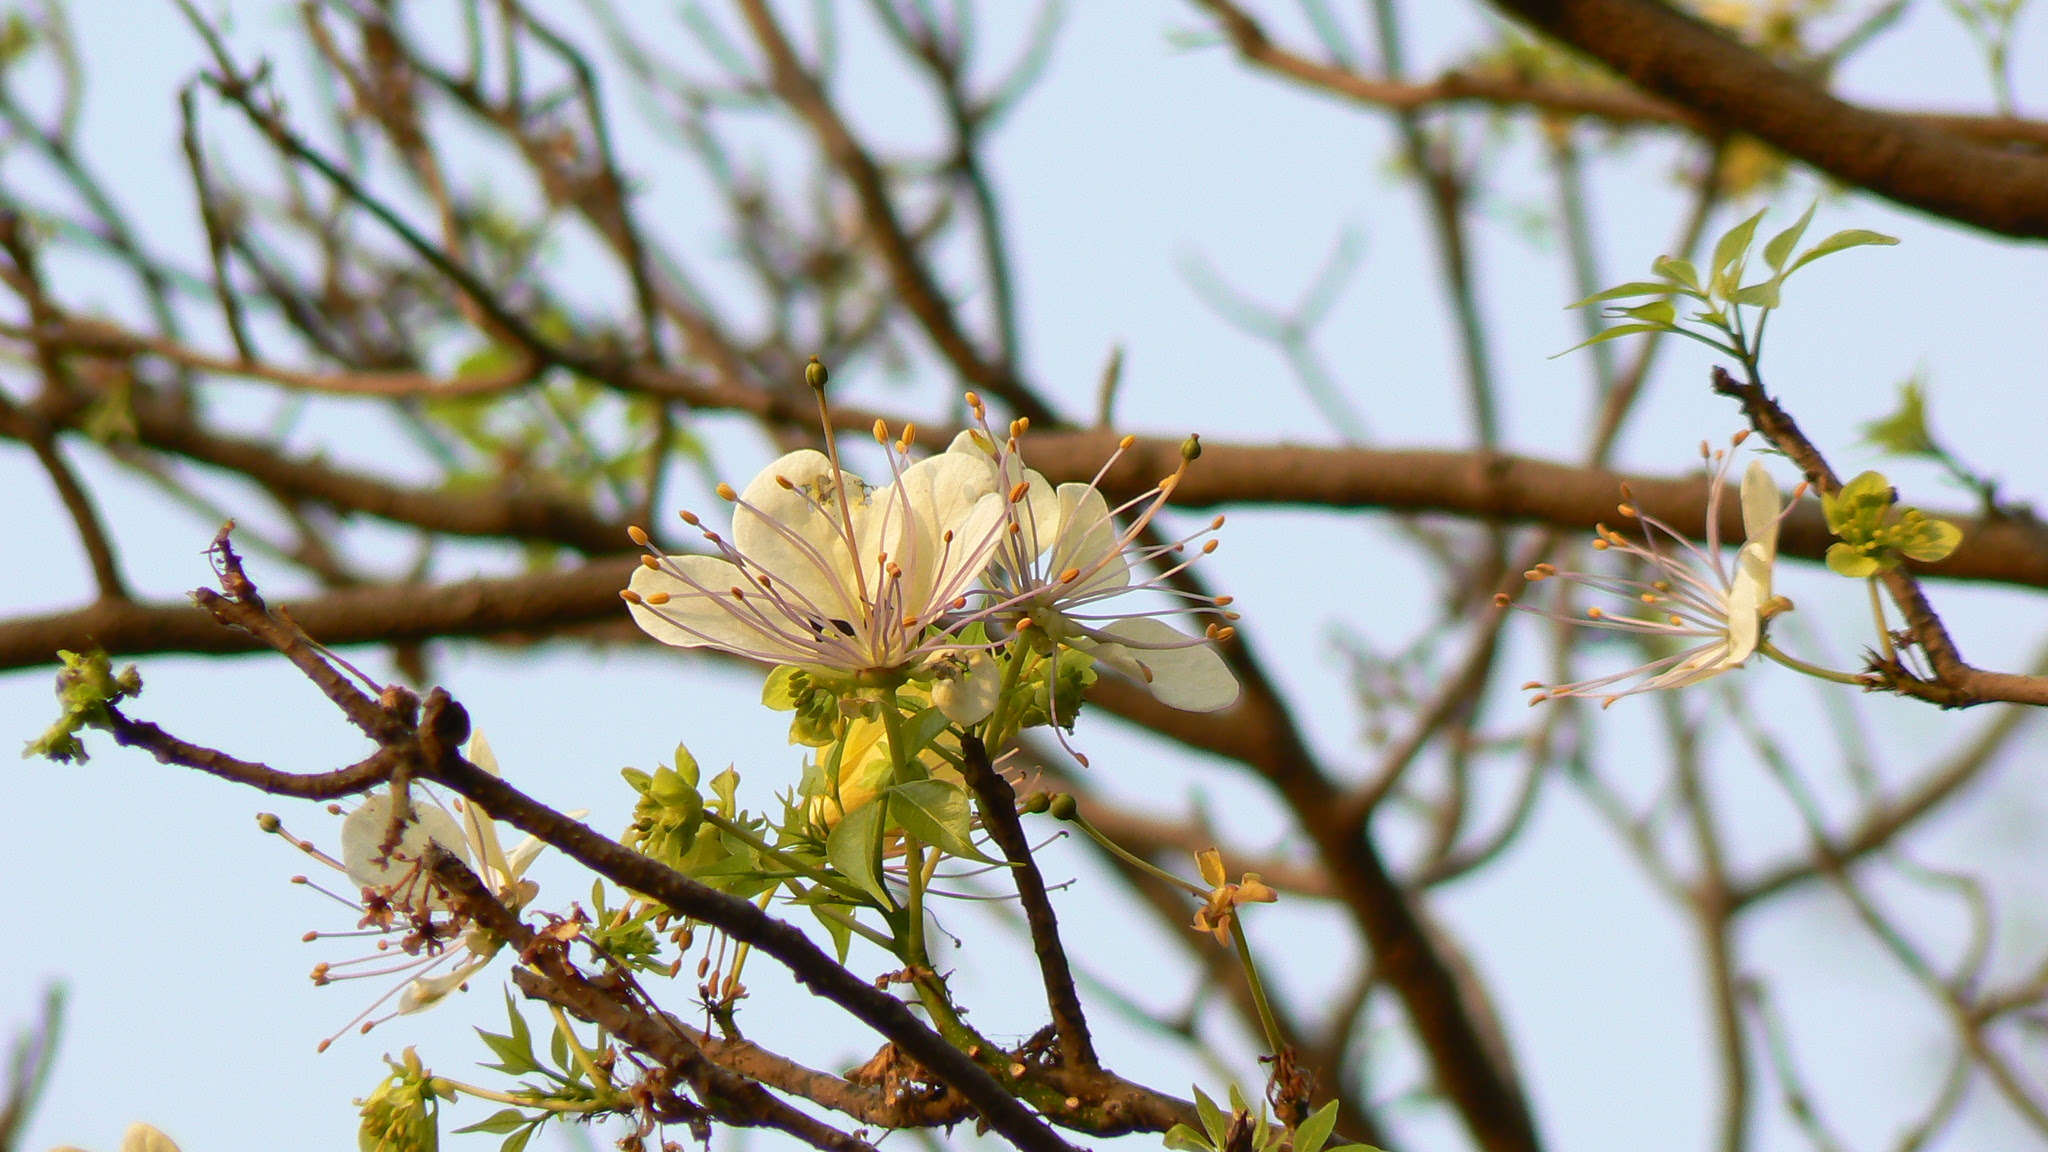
(398, 897)
(1216, 915)
(824, 572)
(1691, 593)
(1063, 556)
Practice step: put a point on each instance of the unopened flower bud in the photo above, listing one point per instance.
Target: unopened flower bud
(268, 822)
(1191, 448)
(1037, 802)
(815, 374)
(1063, 807)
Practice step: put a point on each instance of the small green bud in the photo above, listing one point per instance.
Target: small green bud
(815, 374)
(269, 822)
(1063, 807)
(1191, 448)
(1037, 802)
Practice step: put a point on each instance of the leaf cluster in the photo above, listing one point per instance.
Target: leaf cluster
(1242, 1128)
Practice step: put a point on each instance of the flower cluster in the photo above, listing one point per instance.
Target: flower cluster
(962, 556)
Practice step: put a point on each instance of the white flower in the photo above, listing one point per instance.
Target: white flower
(399, 898)
(1691, 594)
(1063, 556)
(824, 572)
(139, 1138)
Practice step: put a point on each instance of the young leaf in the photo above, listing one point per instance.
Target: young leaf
(855, 849)
(497, 1123)
(1181, 1138)
(1315, 1130)
(516, 1142)
(920, 730)
(1619, 330)
(1213, 1119)
(1847, 238)
(936, 812)
(1780, 248)
(1679, 272)
(842, 936)
(1904, 432)
(1762, 294)
(1655, 312)
(1733, 244)
(1623, 292)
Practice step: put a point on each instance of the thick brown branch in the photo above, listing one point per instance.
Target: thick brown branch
(1614, 104)
(1671, 54)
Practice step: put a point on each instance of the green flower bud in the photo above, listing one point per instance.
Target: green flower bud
(1037, 802)
(1191, 448)
(815, 374)
(1876, 534)
(1063, 807)
(268, 822)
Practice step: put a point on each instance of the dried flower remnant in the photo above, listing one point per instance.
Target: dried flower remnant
(1215, 916)
(1691, 592)
(1064, 556)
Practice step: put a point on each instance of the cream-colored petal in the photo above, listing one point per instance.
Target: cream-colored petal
(1184, 672)
(797, 536)
(1761, 507)
(477, 826)
(970, 696)
(1746, 597)
(362, 840)
(1087, 539)
(420, 995)
(702, 613)
(146, 1138)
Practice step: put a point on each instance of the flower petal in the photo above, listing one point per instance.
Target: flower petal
(1761, 509)
(702, 613)
(145, 1138)
(362, 841)
(1088, 540)
(796, 536)
(1185, 672)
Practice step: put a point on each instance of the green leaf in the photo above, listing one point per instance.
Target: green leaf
(516, 1142)
(1762, 294)
(855, 849)
(1847, 238)
(1614, 333)
(1780, 248)
(1904, 432)
(726, 785)
(1845, 560)
(1732, 244)
(558, 1047)
(1660, 312)
(686, 765)
(920, 730)
(936, 812)
(1679, 272)
(497, 1123)
(1315, 1130)
(1213, 1120)
(1623, 292)
(842, 936)
(1182, 1138)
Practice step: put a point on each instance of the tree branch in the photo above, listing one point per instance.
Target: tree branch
(1671, 54)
